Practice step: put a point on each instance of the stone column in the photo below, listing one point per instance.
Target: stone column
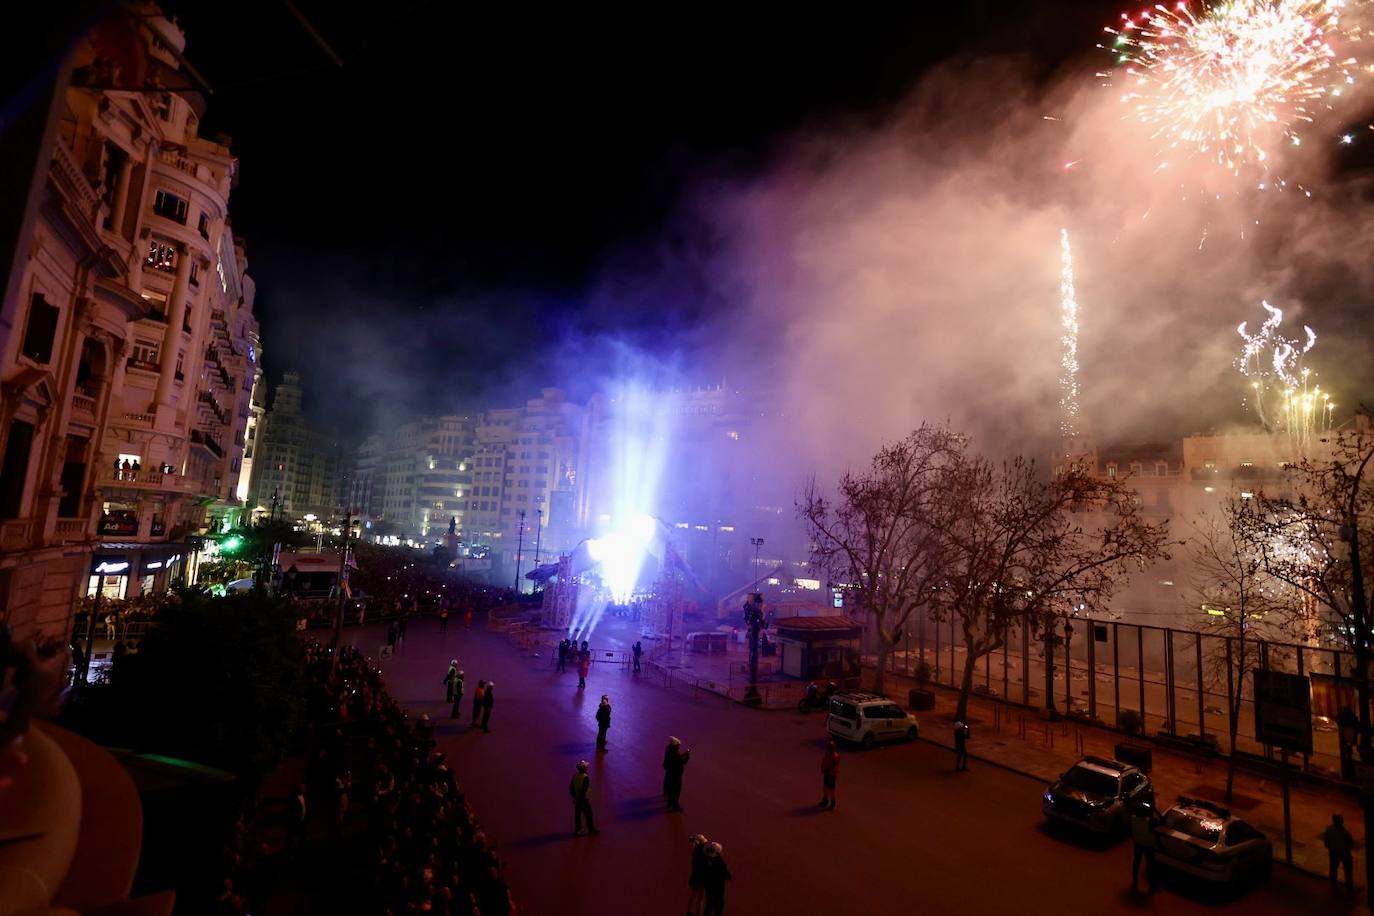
(171, 337)
(121, 197)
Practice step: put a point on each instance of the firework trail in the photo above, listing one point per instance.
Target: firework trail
(1068, 362)
(1304, 410)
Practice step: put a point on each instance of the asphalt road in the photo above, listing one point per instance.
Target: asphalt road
(909, 835)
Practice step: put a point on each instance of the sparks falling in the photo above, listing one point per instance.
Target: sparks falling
(1283, 391)
(1068, 361)
(1231, 82)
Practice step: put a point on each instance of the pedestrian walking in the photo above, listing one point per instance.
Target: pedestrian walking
(830, 771)
(696, 878)
(716, 875)
(488, 701)
(296, 812)
(443, 618)
(961, 732)
(110, 621)
(477, 696)
(603, 722)
(391, 634)
(563, 656)
(637, 651)
(1339, 846)
(584, 667)
(580, 789)
(1143, 843)
(674, 762)
(458, 695)
(449, 679)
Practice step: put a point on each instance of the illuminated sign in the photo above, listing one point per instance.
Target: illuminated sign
(107, 569)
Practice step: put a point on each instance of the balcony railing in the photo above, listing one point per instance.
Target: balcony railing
(15, 533)
(143, 364)
(200, 438)
(71, 529)
(83, 403)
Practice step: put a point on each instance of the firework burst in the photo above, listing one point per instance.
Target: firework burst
(1230, 83)
(1284, 393)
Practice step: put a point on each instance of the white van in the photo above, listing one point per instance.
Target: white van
(867, 718)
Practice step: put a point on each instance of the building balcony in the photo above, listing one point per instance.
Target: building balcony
(16, 533)
(83, 404)
(70, 530)
(146, 479)
(208, 442)
(143, 364)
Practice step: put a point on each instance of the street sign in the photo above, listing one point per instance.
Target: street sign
(1283, 711)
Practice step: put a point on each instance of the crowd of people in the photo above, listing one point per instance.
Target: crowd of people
(427, 853)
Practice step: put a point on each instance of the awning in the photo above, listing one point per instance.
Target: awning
(543, 572)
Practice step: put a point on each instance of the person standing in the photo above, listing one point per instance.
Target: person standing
(637, 651)
(401, 629)
(961, 732)
(296, 812)
(458, 695)
(443, 618)
(450, 677)
(488, 701)
(391, 634)
(580, 789)
(830, 771)
(716, 875)
(1143, 843)
(603, 721)
(478, 696)
(674, 762)
(696, 878)
(1339, 846)
(584, 667)
(563, 657)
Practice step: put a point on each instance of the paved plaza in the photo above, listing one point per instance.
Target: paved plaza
(908, 833)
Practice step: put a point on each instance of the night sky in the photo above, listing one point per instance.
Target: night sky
(429, 220)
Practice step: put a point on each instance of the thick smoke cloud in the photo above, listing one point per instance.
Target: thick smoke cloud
(909, 271)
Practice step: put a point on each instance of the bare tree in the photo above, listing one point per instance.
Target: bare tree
(1321, 543)
(1027, 548)
(884, 536)
(1243, 601)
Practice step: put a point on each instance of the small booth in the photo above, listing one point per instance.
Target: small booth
(818, 647)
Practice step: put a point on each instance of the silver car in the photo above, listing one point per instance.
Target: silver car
(1206, 841)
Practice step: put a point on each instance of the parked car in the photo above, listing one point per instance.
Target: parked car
(1097, 793)
(868, 718)
(1206, 841)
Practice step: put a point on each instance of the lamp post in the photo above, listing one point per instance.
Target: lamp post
(519, 551)
(343, 576)
(758, 543)
(538, 533)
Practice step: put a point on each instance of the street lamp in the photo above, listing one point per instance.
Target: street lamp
(519, 551)
(758, 543)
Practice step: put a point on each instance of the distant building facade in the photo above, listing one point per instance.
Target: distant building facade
(295, 464)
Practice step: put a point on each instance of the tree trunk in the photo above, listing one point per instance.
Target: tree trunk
(1235, 712)
(1362, 691)
(884, 648)
(966, 682)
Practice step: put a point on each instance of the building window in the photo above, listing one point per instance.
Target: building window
(161, 257)
(143, 355)
(195, 273)
(41, 330)
(14, 470)
(1161, 469)
(1111, 471)
(169, 206)
(204, 226)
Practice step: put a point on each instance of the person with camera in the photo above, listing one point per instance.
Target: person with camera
(674, 762)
